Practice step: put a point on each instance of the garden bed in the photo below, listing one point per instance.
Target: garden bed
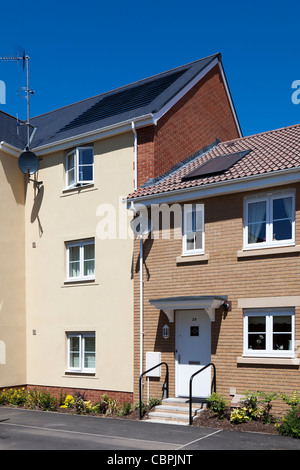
(207, 420)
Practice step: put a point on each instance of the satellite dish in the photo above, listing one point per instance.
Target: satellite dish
(28, 162)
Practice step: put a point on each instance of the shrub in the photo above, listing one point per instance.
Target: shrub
(251, 407)
(126, 409)
(69, 402)
(39, 399)
(290, 425)
(216, 405)
(239, 415)
(266, 400)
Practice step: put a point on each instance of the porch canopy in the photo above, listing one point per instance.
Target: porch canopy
(209, 303)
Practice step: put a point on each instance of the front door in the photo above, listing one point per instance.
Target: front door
(193, 351)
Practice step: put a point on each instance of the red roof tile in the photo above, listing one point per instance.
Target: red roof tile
(269, 151)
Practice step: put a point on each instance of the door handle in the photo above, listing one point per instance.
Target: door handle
(179, 359)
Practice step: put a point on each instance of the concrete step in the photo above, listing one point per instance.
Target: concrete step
(175, 411)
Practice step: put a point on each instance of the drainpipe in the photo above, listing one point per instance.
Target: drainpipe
(135, 155)
(133, 208)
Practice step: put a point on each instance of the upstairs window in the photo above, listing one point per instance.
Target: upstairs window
(269, 221)
(80, 167)
(193, 229)
(81, 260)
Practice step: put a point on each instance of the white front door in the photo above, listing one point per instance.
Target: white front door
(193, 351)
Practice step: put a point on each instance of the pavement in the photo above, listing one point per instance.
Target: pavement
(37, 430)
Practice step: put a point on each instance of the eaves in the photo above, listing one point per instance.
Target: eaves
(243, 184)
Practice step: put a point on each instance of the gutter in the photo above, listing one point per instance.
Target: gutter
(247, 183)
(108, 131)
(11, 149)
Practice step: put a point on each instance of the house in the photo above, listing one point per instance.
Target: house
(221, 271)
(66, 298)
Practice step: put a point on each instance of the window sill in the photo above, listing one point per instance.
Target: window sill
(278, 361)
(78, 189)
(81, 373)
(80, 282)
(187, 259)
(279, 250)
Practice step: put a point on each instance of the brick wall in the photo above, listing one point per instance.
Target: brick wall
(89, 394)
(195, 121)
(223, 274)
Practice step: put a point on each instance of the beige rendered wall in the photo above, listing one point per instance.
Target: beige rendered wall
(12, 274)
(53, 217)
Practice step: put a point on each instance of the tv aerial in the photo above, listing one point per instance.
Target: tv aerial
(28, 161)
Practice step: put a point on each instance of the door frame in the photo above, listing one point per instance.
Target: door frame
(176, 346)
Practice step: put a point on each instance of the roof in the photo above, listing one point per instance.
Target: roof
(12, 131)
(123, 104)
(259, 154)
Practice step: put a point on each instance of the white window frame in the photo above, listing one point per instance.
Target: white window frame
(77, 182)
(81, 336)
(268, 199)
(81, 244)
(188, 209)
(269, 314)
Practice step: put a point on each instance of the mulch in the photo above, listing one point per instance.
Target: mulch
(207, 420)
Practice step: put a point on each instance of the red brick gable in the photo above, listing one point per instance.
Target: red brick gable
(196, 120)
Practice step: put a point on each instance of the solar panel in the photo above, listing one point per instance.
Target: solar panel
(124, 100)
(216, 165)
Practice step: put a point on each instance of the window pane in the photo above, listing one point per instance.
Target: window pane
(282, 230)
(86, 156)
(257, 222)
(89, 353)
(257, 233)
(190, 237)
(89, 260)
(71, 177)
(74, 263)
(256, 324)
(282, 208)
(282, 342)
(256, 341)
(257, 212)
(74, 253)
(74, 352)
(282, 323)
(198, 240)
(86, 173)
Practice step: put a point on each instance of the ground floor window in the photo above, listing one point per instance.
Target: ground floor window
(81, 352)
(269, 332)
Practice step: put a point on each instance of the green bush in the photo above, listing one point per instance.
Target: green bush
(290, 425)
(217, 405)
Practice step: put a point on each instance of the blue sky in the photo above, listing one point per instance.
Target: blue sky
(79, 49)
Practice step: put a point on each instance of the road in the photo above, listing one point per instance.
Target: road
(34, 430)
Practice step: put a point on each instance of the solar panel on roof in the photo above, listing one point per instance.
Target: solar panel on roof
(216, 165)
(124, 100)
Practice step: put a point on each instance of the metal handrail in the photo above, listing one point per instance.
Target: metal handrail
(146, 372)
(191, 386)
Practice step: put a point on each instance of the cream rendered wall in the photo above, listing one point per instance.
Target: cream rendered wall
(53, 217)
(12, 273)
